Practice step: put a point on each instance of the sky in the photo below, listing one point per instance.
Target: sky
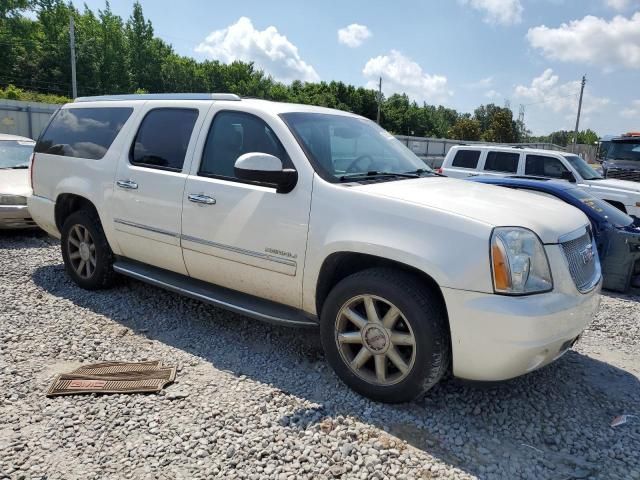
(458, 53)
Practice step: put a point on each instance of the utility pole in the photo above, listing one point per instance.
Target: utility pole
(379, 99)
(72, 41)
(575, 136)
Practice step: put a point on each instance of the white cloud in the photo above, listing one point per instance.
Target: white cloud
(268, 49)
(592, 41)
(552, 105)
(483, 83)
(354, 35)
(492, 94)
(400, 74)
(619, 4)
(633, 111)
(500, 12)
(559, 97)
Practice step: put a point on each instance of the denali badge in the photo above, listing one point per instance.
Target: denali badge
(587, 254)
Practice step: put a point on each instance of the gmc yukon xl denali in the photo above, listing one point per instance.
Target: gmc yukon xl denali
(303, 215)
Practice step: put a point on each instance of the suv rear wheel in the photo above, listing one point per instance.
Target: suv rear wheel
(385, 334)
(88, 259)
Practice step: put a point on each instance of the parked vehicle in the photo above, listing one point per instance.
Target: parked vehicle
(622, 158)
(470, 161)
(302, 215)
(14, 181)
(617, 235)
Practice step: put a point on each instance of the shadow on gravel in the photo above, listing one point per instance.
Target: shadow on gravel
(554, 423)
(15, 239)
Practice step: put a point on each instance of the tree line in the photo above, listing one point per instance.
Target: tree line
(124, 56)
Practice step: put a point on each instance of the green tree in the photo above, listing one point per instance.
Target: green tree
(502, 128)
(465, 129)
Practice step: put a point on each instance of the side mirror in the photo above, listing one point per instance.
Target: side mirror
(265, 168)
(567, 175)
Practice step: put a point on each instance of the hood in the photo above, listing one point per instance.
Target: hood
(15, 182)
(616, 184)
(493, 205)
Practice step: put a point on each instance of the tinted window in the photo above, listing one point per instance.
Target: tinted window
(233, 134)
(502, 162)
(543, 166)
(163, 138)
(83, 132)
(466, 159)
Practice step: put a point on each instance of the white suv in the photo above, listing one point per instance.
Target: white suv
(471, 161)
(302, 215)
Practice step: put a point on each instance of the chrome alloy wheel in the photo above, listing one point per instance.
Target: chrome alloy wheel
(82, 251)
(375, 340)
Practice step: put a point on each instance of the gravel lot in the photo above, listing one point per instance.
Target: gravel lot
(257, 401)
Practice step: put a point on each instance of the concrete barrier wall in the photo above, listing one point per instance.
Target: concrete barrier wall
(26, 119)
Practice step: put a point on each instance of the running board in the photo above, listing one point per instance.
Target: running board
(225, 298)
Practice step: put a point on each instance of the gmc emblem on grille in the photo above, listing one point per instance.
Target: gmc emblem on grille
(587, 254)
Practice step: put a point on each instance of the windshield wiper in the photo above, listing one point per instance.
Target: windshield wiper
(422, 171)
(376, 174)
(19, 167)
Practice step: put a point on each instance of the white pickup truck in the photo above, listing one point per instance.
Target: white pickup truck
(302, 215)
(473, 160)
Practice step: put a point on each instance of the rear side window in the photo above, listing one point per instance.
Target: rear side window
(83, 132)
(466, 159)
(543, 166)
(163, 138)
(503, 162)
(233, 134)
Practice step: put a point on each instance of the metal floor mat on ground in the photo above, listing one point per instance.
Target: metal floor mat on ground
(114, 377)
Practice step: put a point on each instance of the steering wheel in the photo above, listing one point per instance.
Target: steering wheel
(353, 166)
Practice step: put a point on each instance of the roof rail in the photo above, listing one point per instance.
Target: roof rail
(162, 96)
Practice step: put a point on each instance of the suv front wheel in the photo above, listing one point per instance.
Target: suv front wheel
(385, 334)
(88, 259)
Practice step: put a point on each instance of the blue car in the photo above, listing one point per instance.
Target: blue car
(617, 235)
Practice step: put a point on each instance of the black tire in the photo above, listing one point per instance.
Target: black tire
(424, 312)
(103, 275)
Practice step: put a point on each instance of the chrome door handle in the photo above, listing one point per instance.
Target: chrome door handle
(199, 198)
(127, 184)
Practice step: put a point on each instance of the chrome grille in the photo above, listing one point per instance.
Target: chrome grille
(583, 260)
(631, 175)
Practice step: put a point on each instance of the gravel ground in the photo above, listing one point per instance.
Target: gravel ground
(257, 401)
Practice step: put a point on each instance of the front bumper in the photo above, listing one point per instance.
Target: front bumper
(15, 217)
(497, 337)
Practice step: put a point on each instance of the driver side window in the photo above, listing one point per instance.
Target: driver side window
(543, 166)
(233, 134)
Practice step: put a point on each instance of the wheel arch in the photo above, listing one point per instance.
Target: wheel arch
(619, 205)
(340, 265)
(68, 203)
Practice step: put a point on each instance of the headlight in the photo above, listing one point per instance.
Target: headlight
(13, 200)
(519, 262)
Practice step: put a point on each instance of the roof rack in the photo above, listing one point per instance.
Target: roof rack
(162, 96)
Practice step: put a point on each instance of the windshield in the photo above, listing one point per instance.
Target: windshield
(584, 169)
(342, 147)
(612, 214)
(624, 151)
(15, 154)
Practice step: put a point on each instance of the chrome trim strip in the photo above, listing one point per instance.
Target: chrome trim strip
(229, 248)
(251, 253)
(145, 227)
(206, 298)
(574, 235)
